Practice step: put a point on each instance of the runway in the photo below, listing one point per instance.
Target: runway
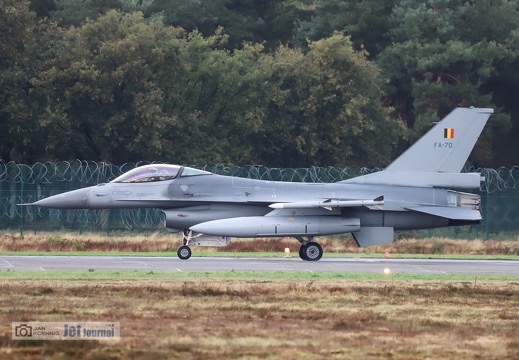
(414, 266)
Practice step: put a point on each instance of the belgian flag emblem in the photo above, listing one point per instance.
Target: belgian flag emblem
(448, 133)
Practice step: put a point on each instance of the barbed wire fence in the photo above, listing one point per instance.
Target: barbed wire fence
(22, 184)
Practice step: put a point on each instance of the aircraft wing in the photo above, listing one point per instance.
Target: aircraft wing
(328, 204)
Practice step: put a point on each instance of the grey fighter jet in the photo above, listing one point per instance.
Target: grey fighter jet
(411, 193)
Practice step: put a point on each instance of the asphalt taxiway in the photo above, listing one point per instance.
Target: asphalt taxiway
(415, 266)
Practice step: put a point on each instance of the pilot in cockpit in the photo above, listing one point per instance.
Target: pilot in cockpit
(153, 175)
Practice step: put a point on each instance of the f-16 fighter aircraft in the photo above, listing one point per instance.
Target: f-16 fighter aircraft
(411, 193)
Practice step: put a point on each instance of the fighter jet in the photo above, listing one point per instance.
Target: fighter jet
(411, 193)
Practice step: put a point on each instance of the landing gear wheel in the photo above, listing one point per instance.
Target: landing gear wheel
(312, 251)
(302, 255)
(184, 252)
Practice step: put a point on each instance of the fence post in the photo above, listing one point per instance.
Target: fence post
(487, 217)
(21, 197)
(82, 212)
(139, 220)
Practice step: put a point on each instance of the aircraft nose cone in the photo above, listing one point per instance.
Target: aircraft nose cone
(76, 199)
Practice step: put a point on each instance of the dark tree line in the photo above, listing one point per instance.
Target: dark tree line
(279, 83)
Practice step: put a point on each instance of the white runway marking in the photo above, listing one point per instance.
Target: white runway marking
(146, 265)
(6, 264)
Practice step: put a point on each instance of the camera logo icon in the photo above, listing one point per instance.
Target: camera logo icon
(23, 330)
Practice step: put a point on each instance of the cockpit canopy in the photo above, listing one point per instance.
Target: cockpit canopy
(157, 172)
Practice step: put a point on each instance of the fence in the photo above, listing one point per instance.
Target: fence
(21, 183)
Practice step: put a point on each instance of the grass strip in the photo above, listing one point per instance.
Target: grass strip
(92, 274)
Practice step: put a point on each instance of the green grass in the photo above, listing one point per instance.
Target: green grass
(261, 255)
(233, 275)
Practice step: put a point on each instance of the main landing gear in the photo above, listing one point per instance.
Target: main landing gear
(309, 250)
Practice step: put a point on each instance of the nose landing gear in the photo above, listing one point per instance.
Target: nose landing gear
(198, 239)
(184, 252)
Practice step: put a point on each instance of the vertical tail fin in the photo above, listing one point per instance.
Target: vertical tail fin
(437, 158)
(447, 146)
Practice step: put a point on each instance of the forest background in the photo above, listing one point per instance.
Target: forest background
(282, 83)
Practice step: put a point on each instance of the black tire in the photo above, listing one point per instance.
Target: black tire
(184, 252)
(302, 252)
(313, 251)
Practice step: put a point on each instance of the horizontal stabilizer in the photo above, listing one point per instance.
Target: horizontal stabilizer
(368, 236)
(449, 212)
(328, 204)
